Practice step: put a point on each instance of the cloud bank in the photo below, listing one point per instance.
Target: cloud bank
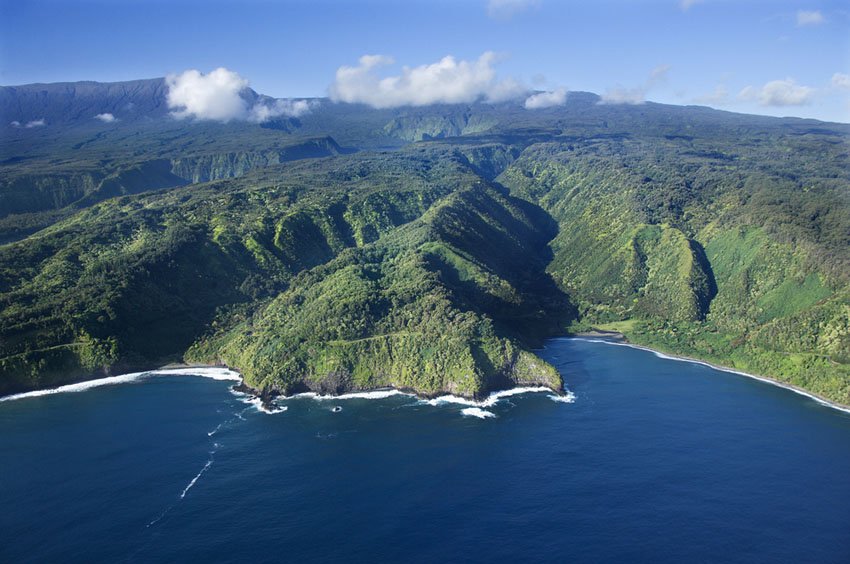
(779, 93)
(813, 17)
(105, 118)
(546, 99)
(220, 96)
(448, 81)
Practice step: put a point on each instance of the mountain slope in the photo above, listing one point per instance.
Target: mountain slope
(135, 281)
(725, 249)
(455, 239)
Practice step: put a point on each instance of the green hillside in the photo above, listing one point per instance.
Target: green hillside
(428, 248)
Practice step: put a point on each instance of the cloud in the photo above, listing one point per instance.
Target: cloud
(15, 123)
(219, 96)
(448, 81)
(620, 95)
(637, 95)
(214, 96)
(719, 96)
(658, 74)
(36, 123)
(686, 5)
(261, 112)
(105, 118)
(506, 9)
(841, 80)
(546, 99)
(805, 17)
(779, 93)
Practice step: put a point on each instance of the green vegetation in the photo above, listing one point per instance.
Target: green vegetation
(394, 269)
(437, 256)
(720, 254)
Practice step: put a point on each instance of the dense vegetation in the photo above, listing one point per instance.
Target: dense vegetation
(405, 269)
(435, 257)
(719, 249)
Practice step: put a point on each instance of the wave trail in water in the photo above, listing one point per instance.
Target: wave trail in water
(195, 479)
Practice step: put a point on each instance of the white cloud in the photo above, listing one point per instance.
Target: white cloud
(546, 99)
(215, 96)
(290, 108)
(36, 123)
(448, 81)
(686, 5)
(779, 93)
(506, 9)
(841, 80)
(105, 118)
(658, 74)
(218, 96)
(637, 95)
(620, 95)
(15, 123)
(805, 17)
(720, 95)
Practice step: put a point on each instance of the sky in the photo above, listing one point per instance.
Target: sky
(783, 58)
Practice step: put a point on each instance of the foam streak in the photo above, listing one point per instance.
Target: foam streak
(195, 479)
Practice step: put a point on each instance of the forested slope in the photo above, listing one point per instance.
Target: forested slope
(428, 248)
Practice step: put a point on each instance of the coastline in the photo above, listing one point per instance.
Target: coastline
(264, 399)
(618, 339)
(267, 397)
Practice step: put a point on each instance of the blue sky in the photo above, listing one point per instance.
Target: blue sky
(777, 58)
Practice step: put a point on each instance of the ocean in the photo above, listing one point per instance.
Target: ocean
(647, 459)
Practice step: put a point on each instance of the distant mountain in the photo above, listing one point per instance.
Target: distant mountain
(65, 102)
(428, 248)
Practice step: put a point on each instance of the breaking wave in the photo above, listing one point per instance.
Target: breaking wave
(494, 397)
(477, 412)
(257, 403)
(214, 373)
(374, 394)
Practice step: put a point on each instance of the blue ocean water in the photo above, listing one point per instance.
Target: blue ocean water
(655, 461)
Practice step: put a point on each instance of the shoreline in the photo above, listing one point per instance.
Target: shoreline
(267, 397)
(622, 341)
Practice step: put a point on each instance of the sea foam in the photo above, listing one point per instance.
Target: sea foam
(477, 412)
(196, 478)
(256, 403)
(214, 373)
(374, 394)
(491, 399)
